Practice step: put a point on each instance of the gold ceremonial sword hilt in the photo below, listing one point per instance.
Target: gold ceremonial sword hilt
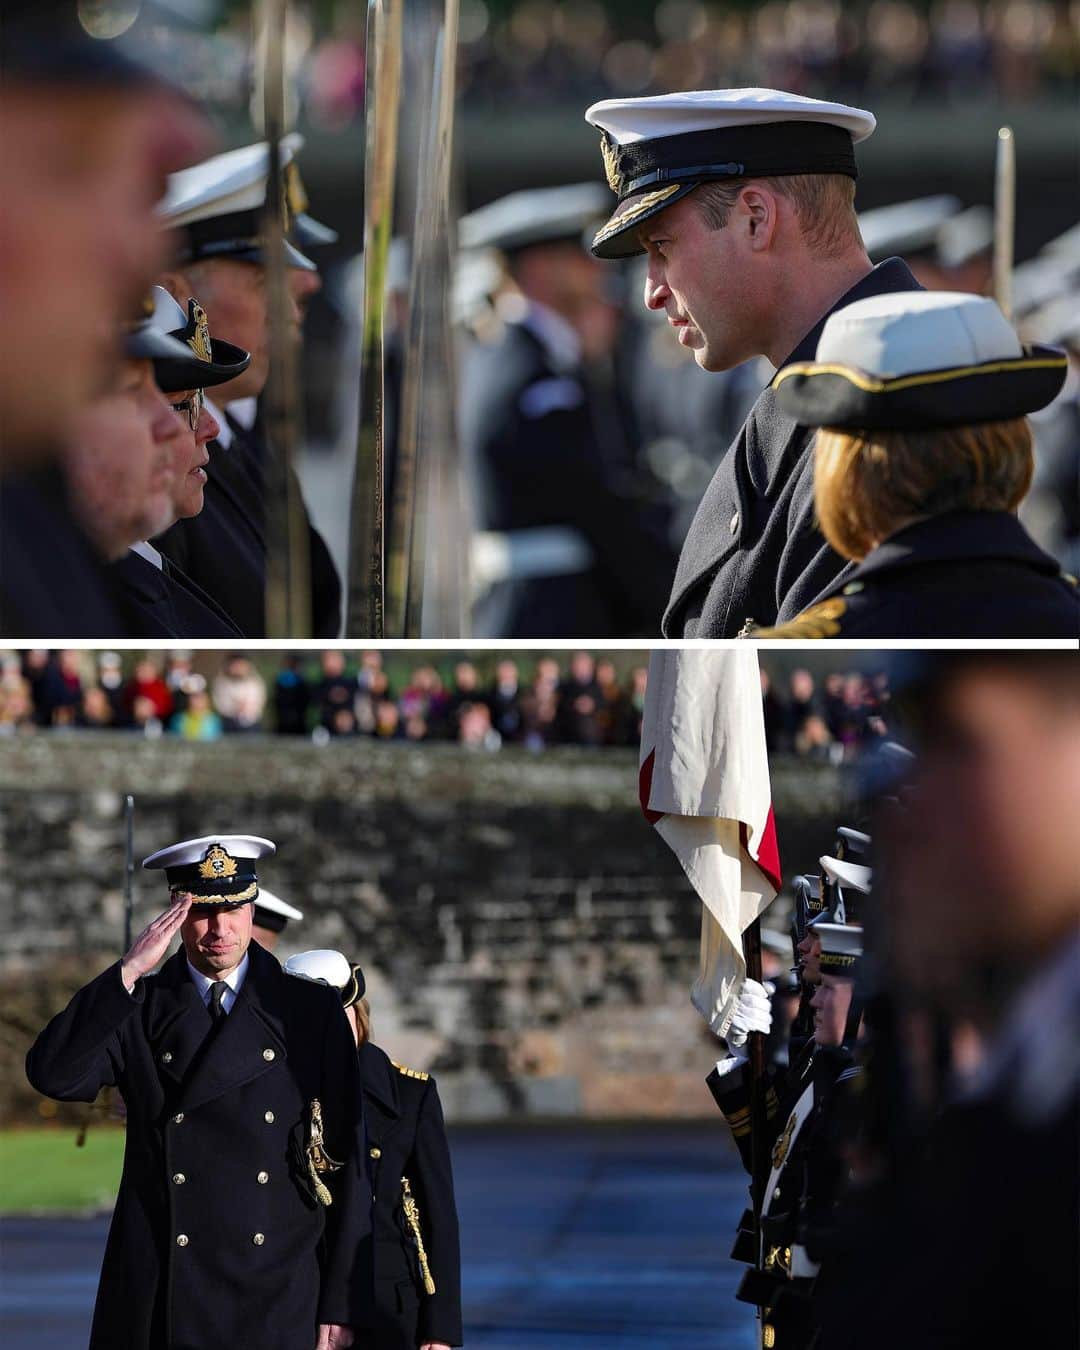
(412, 1218)
(317, 1157)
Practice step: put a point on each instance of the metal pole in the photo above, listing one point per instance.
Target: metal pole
(365, 617)
(1004, 220)
(129, 869)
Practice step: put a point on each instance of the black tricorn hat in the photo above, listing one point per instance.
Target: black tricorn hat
(212, 360)
(916, 361)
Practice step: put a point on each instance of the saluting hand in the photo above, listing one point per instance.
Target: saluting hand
(153, 942)
(434, 1345)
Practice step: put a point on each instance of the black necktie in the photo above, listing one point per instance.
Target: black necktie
(217, 993)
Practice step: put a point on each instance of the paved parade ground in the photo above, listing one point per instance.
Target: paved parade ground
(573, 1238)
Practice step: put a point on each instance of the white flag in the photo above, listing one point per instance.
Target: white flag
(704, 784)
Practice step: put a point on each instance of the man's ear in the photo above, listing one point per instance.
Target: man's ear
(761, 212)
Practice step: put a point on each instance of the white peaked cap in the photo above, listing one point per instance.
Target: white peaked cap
(233, 181)
(850, 874)
(628, 120)
(268, 900)
(910, 331)
(323, 966)
(194, 850)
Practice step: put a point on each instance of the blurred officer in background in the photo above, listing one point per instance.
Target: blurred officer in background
(567, 545)
(216, 207)
(743, 201)
(417, 1249)
(89, 138)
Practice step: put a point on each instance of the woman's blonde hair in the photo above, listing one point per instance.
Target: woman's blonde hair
(869, 483)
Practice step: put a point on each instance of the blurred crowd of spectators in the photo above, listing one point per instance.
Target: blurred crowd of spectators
(831, 720)
(577, 51)
(581, 702)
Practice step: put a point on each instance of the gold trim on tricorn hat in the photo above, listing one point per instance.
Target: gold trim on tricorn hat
(916, 361)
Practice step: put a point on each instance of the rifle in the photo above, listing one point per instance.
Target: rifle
(288, 545)
(364, 617)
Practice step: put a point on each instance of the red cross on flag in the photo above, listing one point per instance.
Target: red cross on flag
(704, 784)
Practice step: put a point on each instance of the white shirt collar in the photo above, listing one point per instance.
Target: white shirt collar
(244, 411)
(149, 552)
(559, 338)
(234, 982)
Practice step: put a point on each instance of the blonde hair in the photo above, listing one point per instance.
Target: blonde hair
(824, 204)
(868, 483)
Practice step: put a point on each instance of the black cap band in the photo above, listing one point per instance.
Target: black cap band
(768, 150)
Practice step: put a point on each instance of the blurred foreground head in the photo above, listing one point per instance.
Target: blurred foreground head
(89, 140)
(983, 854)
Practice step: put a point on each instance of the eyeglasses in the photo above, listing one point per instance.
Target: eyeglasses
(193, 406)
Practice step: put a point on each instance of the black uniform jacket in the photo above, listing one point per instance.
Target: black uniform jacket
(407, 1138)
(782, 1090)
(534, 461)
(753, 550)
(216, 1238)
(53, 584)
(968, 574)
(163, 602)
(223, 548)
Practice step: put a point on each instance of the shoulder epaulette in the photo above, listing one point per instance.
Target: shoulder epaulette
(410, 1073)
(819, 621)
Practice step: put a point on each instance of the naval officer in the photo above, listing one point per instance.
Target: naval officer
(568, 545)
(417, 1248)
(743, 201)
(923, 457)
(157, 597)
(243, 1215)
(216, 209)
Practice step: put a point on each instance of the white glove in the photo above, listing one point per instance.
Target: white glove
(753, 1012)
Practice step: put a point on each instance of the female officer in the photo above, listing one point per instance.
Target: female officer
(417, 1257)
(923, 457)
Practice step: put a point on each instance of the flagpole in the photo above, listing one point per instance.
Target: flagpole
(756, 1048)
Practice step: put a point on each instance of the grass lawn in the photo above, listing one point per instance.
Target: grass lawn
(42, 1170)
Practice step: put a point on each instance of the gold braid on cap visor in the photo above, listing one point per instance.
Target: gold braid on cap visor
(651, 199)
(248, 893)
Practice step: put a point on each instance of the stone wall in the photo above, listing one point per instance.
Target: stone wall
(524, 933)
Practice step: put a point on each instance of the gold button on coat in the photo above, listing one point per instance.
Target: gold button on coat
(181, 1239)
(269, 1117)
(178, 1118)
(258, 1239)
(375, 1153)
(166, 1058)
(263, 1178)
(179, 1178)
(268, 1054)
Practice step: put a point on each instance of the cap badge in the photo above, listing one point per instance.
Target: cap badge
(611, 167)
(199, 343)
(217, 864)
